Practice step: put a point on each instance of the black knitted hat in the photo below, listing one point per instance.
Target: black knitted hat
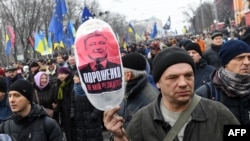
(24, 87)
(168, 57)
(134, 61)
(193, 46)
(3, 85)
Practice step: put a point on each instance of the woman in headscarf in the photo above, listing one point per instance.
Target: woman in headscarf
(45, 93)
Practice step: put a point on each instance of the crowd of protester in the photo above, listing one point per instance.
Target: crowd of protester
(56, 85)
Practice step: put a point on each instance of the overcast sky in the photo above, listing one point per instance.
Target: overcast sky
(144, 9)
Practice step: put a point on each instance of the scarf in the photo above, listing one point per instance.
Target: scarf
(37, 79)
(60, 90)
(233, 84)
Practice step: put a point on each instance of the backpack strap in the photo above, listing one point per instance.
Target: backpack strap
(212, 92)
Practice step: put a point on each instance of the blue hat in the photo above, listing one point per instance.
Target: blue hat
(231, 49)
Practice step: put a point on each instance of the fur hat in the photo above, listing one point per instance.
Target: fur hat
(24, 87)
(134, 61)
(3, 85)
(193, 46)
(231, 49)
(169, 57)
(63, 70)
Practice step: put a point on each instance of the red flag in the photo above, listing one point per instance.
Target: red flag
(31, 41)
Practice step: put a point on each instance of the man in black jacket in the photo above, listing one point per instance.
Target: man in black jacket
(29, 122)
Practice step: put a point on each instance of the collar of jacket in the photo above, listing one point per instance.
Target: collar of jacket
(198, 114)
(135, 86)
(202, 63)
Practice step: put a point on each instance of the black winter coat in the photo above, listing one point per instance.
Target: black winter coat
(212, 56)
(64, 109)
(88, 119)
(239, 106)
(37, 126)
(202, 73)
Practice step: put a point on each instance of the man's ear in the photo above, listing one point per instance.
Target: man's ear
(127, 75)
(158, 85)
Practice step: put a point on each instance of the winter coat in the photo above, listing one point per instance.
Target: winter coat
(88, 119)
(139, 93)
(5, 111)
(10, 81)
(64, 108)
(207, 122)
(37, 126)
(239, 106)
(212, 56)
(202, 73)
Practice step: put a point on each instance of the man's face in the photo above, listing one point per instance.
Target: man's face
(18, 103)
(195, 55)
(72, 61)
(96, 47)
(177, 84)
(240, 64)
(59, 59)
(217, 40)
(12, 74)
(51, 66)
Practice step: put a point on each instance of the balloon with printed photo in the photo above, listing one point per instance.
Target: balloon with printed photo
(99, 64)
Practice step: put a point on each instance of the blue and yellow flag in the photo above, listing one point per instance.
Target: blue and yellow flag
(41, 44)
(8, 45)
(131, 28)
(125, 41)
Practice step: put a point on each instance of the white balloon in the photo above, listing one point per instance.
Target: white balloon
(99, 64)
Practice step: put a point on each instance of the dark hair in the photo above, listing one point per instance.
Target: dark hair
(76, 73)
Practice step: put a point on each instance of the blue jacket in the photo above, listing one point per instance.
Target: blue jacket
(5, 111)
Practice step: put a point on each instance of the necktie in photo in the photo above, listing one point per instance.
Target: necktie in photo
(98, 65)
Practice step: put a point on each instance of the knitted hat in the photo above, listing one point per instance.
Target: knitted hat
(215, 34)
(193, 46)
(134, 61)
(185, 42)
(24, 87)
(231, 49)
(34, 64)
(3, 85)
(168, 57)
(63, 70)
